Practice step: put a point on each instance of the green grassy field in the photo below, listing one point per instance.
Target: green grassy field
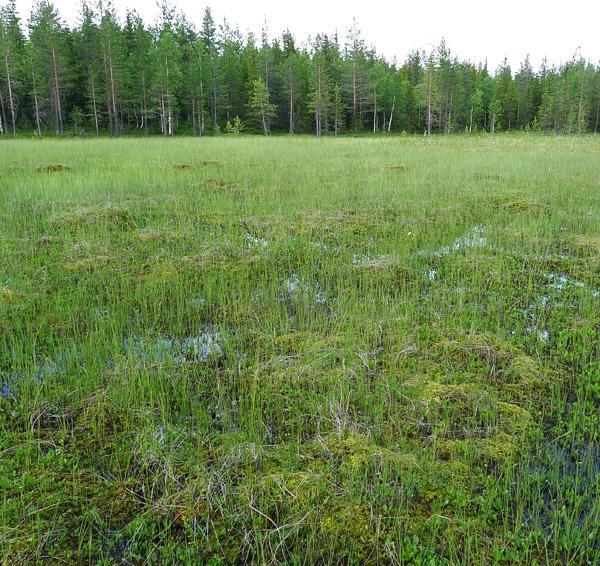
(289, 350)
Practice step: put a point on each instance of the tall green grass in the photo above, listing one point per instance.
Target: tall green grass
(296, 350)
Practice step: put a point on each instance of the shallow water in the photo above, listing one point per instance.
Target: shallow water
(159, 350)
(473, 238)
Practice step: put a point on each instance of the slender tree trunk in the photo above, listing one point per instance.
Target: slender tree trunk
(471, 120)
(94, 106)
(201, 108)
(318, 103)
(443, 116)
(449, 117)
(113, 95)
(10, 97)
(215, 105)
(163, 122)
(169, 103)
(267, 68)
(318, 123)
(214, 93)
(374, 111)
(597, 116)
(264, 121)
(194, 125)
(58, 115)
(291, 89)
(580, 112)
(354, 95)
(429, 89)
(267, 85)
(162, 113)
(170, 115)
(145, 104)
(2, 118)
(391, 114)
(107, 93)
(38, 122)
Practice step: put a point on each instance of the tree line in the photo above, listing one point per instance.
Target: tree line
(105, 75)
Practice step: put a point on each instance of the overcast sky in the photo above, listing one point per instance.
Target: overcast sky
(474, 29)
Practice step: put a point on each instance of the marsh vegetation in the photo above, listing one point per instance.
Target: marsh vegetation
(297, 350)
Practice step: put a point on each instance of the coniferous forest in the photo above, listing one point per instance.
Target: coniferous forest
(107, 76)
(336, 347)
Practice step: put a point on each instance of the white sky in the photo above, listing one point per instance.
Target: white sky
(474, 29)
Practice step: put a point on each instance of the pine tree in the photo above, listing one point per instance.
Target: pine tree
(230, 72)
(320, 98)
(113, 62)
(12, 45)
(167, 81)
(138, 78)
(47, 59)
(496, 111)
(185, 37)
(211, 48)
(444, 88)
(338, 108)
(88, 45)
(261, 105)
(265, 58)
(356, 84)
(196, 81)
(476, 109)
(381, 97)
(113, 76)
(427, 93)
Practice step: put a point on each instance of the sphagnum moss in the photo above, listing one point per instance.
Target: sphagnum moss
(300, 351)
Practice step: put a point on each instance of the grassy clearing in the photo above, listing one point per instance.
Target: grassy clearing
(291, 350)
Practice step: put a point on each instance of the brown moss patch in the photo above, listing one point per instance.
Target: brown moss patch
(54, 168)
